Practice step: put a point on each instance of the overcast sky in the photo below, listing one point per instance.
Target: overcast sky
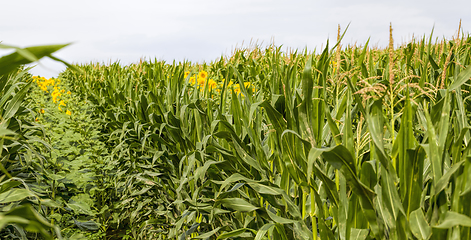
(105, 30)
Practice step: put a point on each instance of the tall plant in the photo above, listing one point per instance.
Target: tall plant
(19, 203)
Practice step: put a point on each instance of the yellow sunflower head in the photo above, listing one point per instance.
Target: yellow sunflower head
(212, 84)
(201, 81)
(203, 74)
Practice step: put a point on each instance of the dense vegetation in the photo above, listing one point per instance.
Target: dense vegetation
(348, 143)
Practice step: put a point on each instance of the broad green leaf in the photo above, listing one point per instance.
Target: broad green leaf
(233, 178)
(263, 230)
(9, 184)
(461, 79)
(453, 219)
(246, 157)
(418, 225)
(15, 194)
(237, 204)
(279, 219)
(445, 179)
(333, 128)
(275, 117)
(302, 232)
(358, 234)
(28, 218)
(390, 197)
(4, 132)
(27, 55)
(265, 189)
(14, 104)
(189, 231)
(314, 153)
(208, 234)
(234, 233)
(87, 225)
(413, 179)
(5, 220)
(433, 152)
(376, 125)
(341, 159)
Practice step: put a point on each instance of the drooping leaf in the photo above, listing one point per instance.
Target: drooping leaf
(418, 225)
(237, 204)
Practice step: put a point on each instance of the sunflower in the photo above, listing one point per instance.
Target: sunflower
(201, 81)
(203, 74)
(212, 84)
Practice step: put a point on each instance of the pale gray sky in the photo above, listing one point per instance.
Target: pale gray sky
(105, 30)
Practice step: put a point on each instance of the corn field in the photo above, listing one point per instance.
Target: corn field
(351, 142)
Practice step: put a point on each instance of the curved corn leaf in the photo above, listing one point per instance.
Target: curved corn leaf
(419, 226)
(237, 204)
(453, 219)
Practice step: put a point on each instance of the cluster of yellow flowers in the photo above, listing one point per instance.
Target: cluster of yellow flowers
(201, 81)
(44, 83)
(236, 87)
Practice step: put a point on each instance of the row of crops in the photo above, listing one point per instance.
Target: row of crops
(351, 142)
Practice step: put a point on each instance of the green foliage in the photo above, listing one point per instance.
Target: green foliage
(348, 153)
(17, 134)
(353, 143)
(72, 176)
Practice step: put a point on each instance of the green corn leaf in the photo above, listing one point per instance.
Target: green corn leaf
(5, 132)
(14, 104)
(413, 178)
(312, 168)
(263, 230)
(233, 178)
(234, 233)
(208, 234)
(461, 79)
(246, 157)
(333, 128)
(265, 189)
(28, 218)
(5, 220)
(15, 194)
(419, 226)
(237, 204)
(443, 182)
(341, 159)
(453, 219)
(432, 151)
(358, 234)
(279, 219)
(376, 125)
(390, 197)
(275, 117)
(27, 55)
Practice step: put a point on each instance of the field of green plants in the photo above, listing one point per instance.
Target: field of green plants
(349, 142)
